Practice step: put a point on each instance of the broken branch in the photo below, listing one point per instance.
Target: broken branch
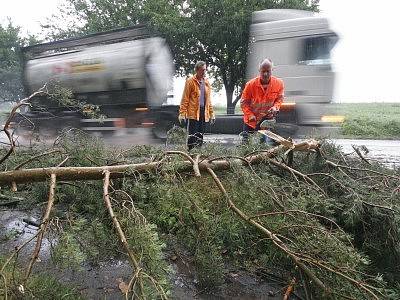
(43, 225)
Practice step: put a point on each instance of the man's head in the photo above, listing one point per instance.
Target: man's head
(265, 70)
(200, 69)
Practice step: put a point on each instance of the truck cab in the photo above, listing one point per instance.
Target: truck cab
(299, 43)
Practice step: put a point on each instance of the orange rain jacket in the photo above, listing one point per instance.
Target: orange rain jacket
(190, 103)
(256, 101)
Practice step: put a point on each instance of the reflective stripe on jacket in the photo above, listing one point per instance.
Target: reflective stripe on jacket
(256, 101)
(190, 103)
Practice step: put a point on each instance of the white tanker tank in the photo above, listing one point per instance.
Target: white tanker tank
(141, 64)
(125, 72)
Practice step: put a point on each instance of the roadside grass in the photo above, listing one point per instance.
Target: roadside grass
(370, 120)
(362, 120)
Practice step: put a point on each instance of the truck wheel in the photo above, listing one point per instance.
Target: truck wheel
(161, 128)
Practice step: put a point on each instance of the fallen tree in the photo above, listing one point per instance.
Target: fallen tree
(314, 217)
(118, 171)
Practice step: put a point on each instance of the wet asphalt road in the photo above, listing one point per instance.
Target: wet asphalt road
(385, 151)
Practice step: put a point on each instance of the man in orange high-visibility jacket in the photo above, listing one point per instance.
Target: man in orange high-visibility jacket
(196, 105)
(261, 98)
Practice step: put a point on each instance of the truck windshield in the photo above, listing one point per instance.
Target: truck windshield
(317, 50)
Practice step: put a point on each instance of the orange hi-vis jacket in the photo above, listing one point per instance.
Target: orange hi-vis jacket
(256, 101)
(190, 103)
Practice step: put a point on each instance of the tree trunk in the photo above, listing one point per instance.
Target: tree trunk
(230, 106)
(97, 173)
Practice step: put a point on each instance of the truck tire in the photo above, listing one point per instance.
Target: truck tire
(162, 126)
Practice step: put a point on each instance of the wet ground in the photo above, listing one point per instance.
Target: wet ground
(99, 282)
(102, 281)
(384, 151)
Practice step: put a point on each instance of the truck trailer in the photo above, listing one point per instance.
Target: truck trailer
(126, 72)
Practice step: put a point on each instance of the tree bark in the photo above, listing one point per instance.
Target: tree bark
(230, 106)
(43, 226)
(120, 232)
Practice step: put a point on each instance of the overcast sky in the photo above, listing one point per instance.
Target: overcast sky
(366, 58)
(367, 55)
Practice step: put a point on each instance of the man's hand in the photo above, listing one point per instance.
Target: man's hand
(252, 118)
(181, 118)
(273, 110)
(212, 119)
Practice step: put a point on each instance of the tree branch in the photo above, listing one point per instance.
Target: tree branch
(43, 226)
(121, 234)
(278, 242)
(11, 116)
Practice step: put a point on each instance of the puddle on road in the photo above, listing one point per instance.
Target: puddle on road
(98, 282)
(93, 282)
(16, 228)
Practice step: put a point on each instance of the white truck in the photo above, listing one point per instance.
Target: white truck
(126, 72)
(299, 43)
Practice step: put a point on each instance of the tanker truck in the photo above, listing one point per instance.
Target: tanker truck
(126, 72)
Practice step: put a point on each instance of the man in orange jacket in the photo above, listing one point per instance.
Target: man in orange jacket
(196, 107)
(261, 98)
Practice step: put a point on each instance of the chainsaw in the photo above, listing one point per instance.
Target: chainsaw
(266, 125)
(268, 122)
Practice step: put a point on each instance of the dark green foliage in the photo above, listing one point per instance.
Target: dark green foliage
(348, 220)
(71, 142)
(176, 136)
(38, 287)
(67, 252)
(85, 241)
(365, 204)
(11, 88)
(47, 288)
(209, 263)
(10, 70)
(58, 98)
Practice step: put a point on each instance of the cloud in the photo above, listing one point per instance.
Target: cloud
(28, 14)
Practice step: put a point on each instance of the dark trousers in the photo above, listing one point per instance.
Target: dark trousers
(196, 131)
(247, 130)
